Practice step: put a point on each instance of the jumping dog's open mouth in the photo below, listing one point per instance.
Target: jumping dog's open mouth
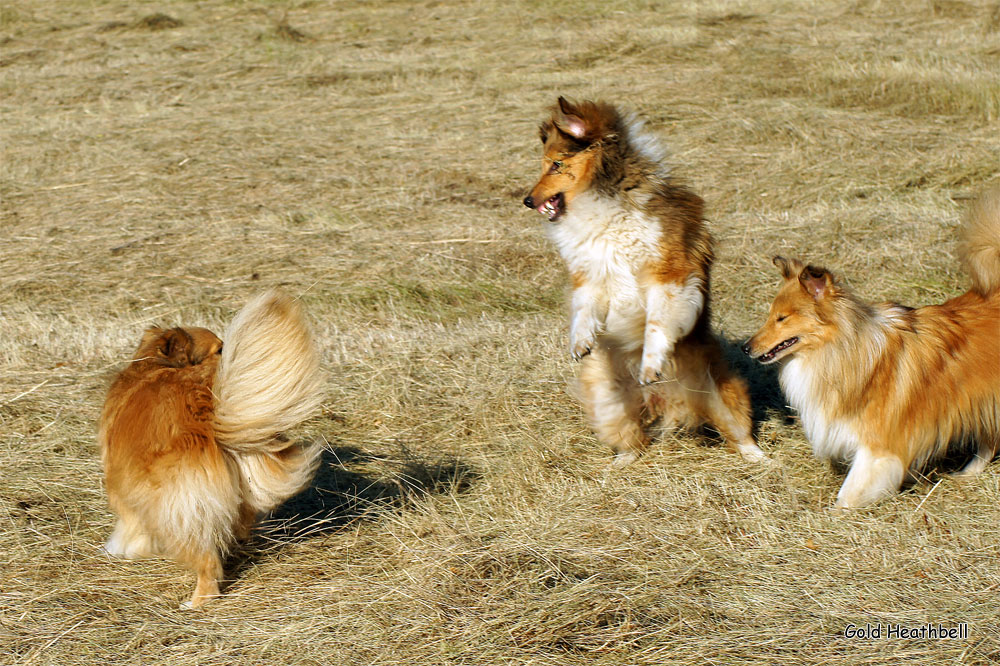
(777, 349)
(553, 207)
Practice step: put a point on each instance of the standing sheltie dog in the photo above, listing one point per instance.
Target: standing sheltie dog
(639, 256)
(191, 440)
(885, 386)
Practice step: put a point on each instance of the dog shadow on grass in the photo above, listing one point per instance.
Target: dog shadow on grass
(766, 399)
(351, 485)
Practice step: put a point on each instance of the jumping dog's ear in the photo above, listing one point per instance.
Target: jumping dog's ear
(568, 120)
(816, 281)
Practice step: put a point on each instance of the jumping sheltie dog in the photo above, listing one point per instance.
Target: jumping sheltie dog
(887, 387)
(190, 435)
(639, 255)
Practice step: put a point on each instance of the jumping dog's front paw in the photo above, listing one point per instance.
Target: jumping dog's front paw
(582, 347)
(654, 370)
(649, 375)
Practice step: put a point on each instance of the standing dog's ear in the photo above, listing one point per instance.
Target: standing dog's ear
(816, 281)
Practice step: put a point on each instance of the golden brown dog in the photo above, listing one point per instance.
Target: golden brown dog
(190, 435)
(887, 387)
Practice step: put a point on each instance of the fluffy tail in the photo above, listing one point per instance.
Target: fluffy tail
(268, 381)
(979, 241)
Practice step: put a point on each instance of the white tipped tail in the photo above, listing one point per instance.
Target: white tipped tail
(268, 378)
(979, 241)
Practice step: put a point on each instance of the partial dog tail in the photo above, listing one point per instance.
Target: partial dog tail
(268, 381)
(979, 241)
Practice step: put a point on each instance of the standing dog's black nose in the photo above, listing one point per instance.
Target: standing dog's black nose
(746, 347)
(529, 202)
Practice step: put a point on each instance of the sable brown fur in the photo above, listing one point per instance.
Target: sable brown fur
(181, 490)
(885, 386)
(639, 255)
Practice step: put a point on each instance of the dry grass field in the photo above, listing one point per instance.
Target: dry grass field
(164, 161)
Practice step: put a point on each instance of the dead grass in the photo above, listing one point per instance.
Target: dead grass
(371, 157)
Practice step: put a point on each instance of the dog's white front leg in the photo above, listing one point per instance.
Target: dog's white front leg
(871, 478)
(671, 312)
(586, 321)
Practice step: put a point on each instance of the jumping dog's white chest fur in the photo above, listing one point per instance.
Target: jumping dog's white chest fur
(607, 245)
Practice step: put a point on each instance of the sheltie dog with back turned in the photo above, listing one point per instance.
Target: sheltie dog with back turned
(887, 387)
(191, 441)
(639, 255)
